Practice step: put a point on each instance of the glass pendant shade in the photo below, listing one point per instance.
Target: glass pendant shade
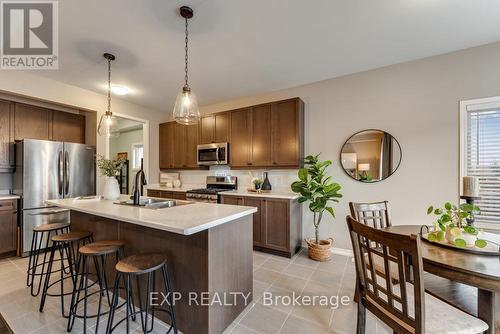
(186, 108)
(108, 126)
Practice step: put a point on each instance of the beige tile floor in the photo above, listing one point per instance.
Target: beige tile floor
(276, 276)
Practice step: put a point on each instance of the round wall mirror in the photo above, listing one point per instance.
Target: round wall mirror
(370, 155)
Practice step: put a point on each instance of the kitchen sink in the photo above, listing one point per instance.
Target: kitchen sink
(153, 203)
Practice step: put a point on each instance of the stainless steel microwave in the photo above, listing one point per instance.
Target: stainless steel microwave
(213, 154)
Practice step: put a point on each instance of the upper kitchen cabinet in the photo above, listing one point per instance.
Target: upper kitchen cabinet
(214, 128)
(167, 145)
(178, 146)
(35, 122)
(270, 135)
(31, 122)
(6, 153)
(288, 133)
(67, 127)
(239, 149)
(261, 136)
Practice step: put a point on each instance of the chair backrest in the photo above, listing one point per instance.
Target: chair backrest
(400, 305)
(377, 215)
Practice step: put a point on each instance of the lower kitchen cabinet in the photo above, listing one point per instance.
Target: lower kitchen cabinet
(8, 227)
(277, 225)
(180, 195)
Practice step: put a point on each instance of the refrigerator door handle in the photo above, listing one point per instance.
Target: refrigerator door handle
(66, 170)
(60, 176)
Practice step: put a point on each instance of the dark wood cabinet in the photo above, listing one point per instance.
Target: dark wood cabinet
(239, 150)
(67, 127)
(35, 122)
(276, 215)
(167, 145)
(180, 195)
(6, 149)
(31, 122)
(178, 146)
(191, 148)
(232, 200)
(269, 135)
(287, 133)
(214, 128)
(259, 230)
(8, 227)
(261, 129)
(221, 131)
(277, 225)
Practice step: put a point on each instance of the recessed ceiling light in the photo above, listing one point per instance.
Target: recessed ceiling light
(119, 90)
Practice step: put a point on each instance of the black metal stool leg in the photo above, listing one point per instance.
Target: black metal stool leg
(35, 265)
(114, 304)
(168, 289)
(47, 279)
(129, 293)
(85, 291)
(75, 296)
(29, 276)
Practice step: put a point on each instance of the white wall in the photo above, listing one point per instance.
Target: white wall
(417, 102)
(27, 83)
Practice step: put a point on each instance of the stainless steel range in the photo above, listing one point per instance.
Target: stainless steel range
(215, 185)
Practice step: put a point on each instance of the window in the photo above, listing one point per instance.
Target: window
(480, 154)
(137, 155)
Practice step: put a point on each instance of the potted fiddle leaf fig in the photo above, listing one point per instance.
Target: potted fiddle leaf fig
(318, 189)
(451, 224)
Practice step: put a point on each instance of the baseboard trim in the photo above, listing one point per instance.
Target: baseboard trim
(342, 251)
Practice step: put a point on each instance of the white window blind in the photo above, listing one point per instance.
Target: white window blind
(483, 160)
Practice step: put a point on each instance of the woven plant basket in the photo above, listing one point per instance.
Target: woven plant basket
(321, 252)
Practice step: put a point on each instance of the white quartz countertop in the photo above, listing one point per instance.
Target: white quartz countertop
(271, 194)
(182, 188)
(183, 219)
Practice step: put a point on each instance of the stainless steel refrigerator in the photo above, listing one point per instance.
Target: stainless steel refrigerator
(50, 170)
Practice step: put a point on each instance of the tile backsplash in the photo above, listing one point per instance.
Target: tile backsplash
(5, 182)
(280, 179)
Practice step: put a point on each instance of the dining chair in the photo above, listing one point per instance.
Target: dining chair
(376, 215)
(405, 307)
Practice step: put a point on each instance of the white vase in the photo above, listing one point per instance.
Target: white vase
(111, 189)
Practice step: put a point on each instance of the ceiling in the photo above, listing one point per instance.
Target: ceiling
(241, 47)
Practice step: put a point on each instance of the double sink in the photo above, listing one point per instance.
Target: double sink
(154, 203)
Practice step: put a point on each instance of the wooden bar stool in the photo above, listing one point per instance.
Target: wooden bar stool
(38, 269)
(97, 252)
(135, 266)
(65, 244)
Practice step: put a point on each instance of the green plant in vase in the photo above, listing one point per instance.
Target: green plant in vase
(451, 224)
(315, 187)
(257, 183)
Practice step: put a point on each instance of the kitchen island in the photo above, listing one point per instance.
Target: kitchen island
(208, 247)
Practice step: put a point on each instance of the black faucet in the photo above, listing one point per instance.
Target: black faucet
(140, 174)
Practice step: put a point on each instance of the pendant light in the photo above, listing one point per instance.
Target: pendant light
(108, 123)
(186, 106)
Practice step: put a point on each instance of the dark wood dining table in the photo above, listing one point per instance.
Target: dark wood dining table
(479, 271)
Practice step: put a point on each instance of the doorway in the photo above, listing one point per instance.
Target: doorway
(130, 144)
